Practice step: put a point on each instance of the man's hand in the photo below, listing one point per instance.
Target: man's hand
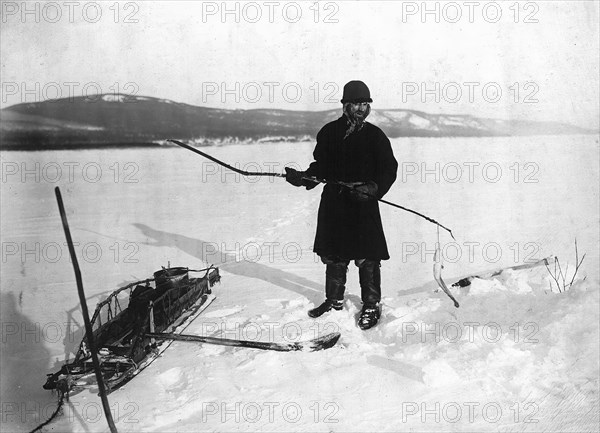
(360, 190)
(294, 176)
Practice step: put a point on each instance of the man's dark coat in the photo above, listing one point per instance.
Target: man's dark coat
(348, 228)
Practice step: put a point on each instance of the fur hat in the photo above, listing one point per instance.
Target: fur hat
(356, 91)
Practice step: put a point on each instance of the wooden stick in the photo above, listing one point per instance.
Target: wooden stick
(86, 316)
(312, 179)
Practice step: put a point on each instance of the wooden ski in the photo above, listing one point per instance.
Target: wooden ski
(319, 343)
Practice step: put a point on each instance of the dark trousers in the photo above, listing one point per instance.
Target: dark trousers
(369, 277)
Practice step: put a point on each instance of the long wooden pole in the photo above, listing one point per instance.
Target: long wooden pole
(312, 179)
(86, 316)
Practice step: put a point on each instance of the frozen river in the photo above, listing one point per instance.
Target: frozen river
(507, 200)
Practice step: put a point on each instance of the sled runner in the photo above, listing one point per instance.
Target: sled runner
(166, 303)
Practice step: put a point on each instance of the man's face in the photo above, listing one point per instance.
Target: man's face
(358, 109)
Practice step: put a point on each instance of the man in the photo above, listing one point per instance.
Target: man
(356, 159)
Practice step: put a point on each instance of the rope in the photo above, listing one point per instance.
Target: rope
(61, 400)
(205, 270)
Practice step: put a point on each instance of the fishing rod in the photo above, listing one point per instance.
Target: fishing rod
(308, 178)
(353, 188)
(230, 167)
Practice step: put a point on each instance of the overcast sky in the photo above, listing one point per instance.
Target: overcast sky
(274, 54)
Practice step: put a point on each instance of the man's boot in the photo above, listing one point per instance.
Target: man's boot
(369, 316)
(370, 286)
(335, 286)
(326, 306)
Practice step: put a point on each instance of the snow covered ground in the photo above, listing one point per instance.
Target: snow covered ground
(516, 356)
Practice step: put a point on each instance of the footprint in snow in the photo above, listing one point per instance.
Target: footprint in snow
(223, 312)
(173, 380)
(286, 304)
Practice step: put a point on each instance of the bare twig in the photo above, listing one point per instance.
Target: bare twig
(577, 262)
(559, 274)
(553, 275)
(562, 275)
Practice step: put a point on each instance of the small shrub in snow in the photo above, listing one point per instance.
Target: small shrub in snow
(560, 277)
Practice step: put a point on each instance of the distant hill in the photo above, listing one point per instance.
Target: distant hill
(121, 120)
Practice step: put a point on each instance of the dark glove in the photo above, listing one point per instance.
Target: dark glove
(368, 187)
(294, 176)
